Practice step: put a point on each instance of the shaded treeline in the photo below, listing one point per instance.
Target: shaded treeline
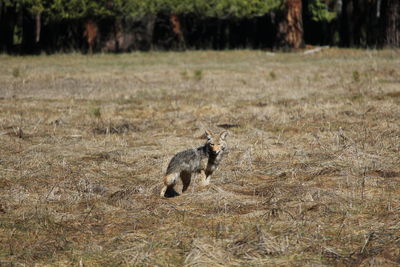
(35, 26)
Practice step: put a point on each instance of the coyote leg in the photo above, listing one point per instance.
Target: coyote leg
(169, 183)
(186, 178)
(203, 179)
(163, 190)
(207, 180)
(207, 174)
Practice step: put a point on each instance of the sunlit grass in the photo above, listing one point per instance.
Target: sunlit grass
(311, 178)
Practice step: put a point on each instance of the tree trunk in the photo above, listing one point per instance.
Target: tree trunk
(119, 35)
(90, 34)
(38, 27)
(2, 26)
(392, 35)
(176, 29)
(290, 30)
(350, 22)
(149, 21)
(28, 45)
(8, 20)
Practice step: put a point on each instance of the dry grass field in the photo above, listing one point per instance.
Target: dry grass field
(312, 177)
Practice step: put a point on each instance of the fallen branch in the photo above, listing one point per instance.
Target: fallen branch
(315, 50)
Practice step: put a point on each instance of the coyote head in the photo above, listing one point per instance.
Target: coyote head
(216, 143)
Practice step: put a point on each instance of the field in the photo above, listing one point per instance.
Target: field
(312, 176)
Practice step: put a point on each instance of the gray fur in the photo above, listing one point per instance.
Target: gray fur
(213, 162)
(187, 162)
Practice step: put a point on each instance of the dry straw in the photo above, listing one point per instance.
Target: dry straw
(312, 177)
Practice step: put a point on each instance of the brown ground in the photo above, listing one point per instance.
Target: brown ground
(312, 177)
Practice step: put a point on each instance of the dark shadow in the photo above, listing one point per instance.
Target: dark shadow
(171, 193)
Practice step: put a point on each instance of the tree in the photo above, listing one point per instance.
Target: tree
(290, 31)
(392, 33)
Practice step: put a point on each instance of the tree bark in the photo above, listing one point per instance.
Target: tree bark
(90, 34)
(150, 21)
(176, 29)
(8, 19)
(290, 30)
(392, 36)
(38, 27)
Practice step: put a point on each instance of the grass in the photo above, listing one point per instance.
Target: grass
(312, 177)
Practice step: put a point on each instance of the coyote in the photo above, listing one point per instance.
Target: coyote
(187, 162)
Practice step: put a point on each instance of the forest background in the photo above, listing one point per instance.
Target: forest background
(312, 177)
(37, 26)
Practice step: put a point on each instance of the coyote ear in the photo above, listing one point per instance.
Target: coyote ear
(208, 134)
(223, 135)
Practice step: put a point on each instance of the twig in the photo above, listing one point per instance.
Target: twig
(369, 238)
(90, 211)
(315, 50)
